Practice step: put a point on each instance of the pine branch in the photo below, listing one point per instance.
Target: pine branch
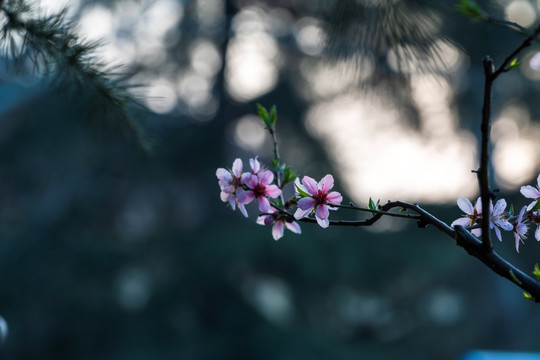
(53, 48)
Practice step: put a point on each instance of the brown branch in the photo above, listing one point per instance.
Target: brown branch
(496, 263)
(461, 235)
(483, 171)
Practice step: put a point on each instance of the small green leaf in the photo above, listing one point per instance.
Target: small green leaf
(472, 10)
(273, 116)
(265, 117)
(514, 63)
(378, 203)
(514, 278)
(275, 164)
(301, 192)
(536, 206)
(289, 175)
(371, 204)
(511, 210)
(402, 209)
(528, 296)
(536, 272)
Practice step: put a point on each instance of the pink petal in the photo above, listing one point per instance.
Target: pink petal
(538, 181)
(530, 192)
(465, 205)
(461, 221)
(334, 198)
(255, 165)
(277, 230)
(306, 203)
(299, 214)
(322, 222)
(265, 177)
(294, 227)
(225, 196)
(537, 233)
(272, 191)
(264, 204)
(244, 196)
(326, 183)
(322, 212)
(232, 201)
(237, 167)
(297, 185)
(531, 205)
(223, 175)
(261, 219)
(243, 210)
(311, 185)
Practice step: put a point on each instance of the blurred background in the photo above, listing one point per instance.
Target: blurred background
(110, 253)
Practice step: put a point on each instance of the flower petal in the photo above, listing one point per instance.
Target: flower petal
(322, 211)
(498, 233)
(237, 167)
(476, 232)
(311, 185)
(306, 203)
(223, 175)
(264, 204)
(265, 177)
(300, 213)
(537, 233)
(478, 206)
(530, 192)
(272, 191)
(500, 205)
(261, 219)
(277, 230)
(244, 196)
(326, 183)
(465, 205)
(255, 165)
(334, 198)
(464, 221)
(323, 222)
(294, 227)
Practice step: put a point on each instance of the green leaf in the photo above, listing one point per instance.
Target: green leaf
(472, 10)
(511, 210)
(289, 175)
(514, 278)
(273, 116)
(536, 206)
(301, 192)
(514, 63)
(268, 119)
(371, 204)
(275, 164)
(528, 296)
(536, 272)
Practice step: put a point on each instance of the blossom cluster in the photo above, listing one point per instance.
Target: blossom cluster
(240, 188)
(499, 219)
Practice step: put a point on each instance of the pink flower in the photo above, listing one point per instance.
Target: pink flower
(473, 216)
(229, 182)
(258, 186)
(279, 224)
(531, 193)
(315, 197)
(520, 228)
